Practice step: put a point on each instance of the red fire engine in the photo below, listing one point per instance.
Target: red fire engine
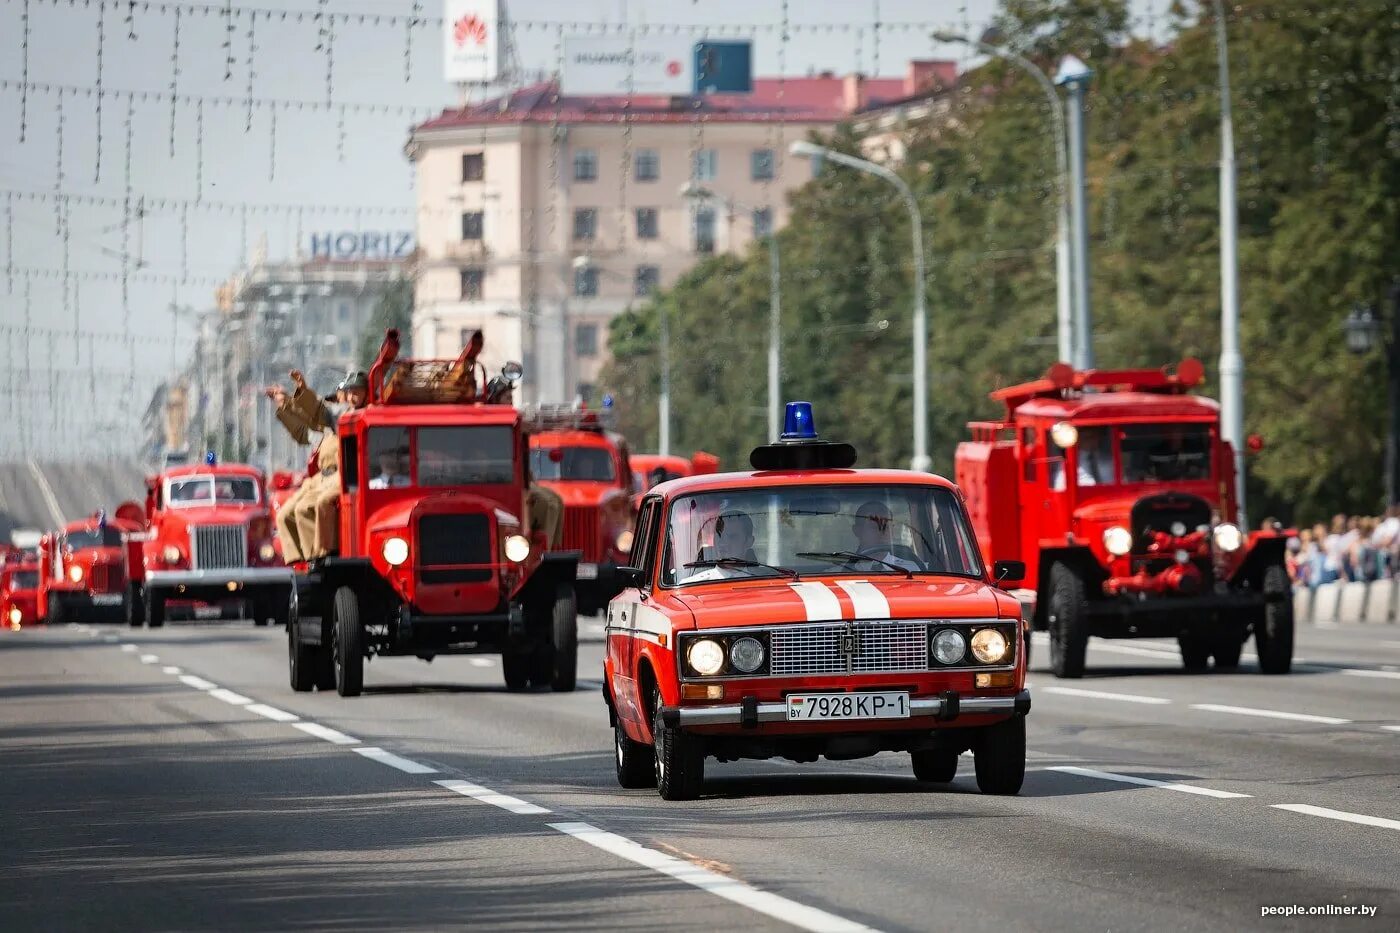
(84, 575)
(19, 589)
(650, 470)
(436, 553)
(808, 609)
(1117, 491)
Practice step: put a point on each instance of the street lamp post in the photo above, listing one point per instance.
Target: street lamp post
(1363, 330)
(921, 460)
(1064, 327)
(1075, 75)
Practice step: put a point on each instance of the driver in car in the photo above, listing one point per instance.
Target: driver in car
(874, 533)
(733, 539)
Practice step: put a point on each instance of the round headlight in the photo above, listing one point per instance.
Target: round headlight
(517, 548)
(1178, 528)
(705, 656)
(989, 646)
(395, 551)
(624, 542)
(170, 554)
(1228, 537)
(1064, 434)
(266, 552)
(1117, 540)
(949, 646)
(75, 573)
(746, 654)
(15, 615)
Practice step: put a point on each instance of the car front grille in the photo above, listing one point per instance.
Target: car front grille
(445, 542)
(880, 647)
(581, 531)
(218, 547)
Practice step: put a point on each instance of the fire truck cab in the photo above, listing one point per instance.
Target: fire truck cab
(19, 589)
(1116, 490)
(84, 573)
(437, 554)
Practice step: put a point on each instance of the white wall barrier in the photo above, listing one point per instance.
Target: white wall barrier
(1302, 605)
(1347, 602)
(1325, 600)
(1351, 604)
(1380, 601)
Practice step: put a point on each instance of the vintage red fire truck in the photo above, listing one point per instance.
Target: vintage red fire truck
(573, 453)
(1116, 490)
(809, 609)
(207, 542)
(84, 569)
(437, 556)
(19, 590)
(649, 470)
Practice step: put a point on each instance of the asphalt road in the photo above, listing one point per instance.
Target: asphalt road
(170, 780)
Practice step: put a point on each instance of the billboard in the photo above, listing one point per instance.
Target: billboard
(622, 65)
(471, 41)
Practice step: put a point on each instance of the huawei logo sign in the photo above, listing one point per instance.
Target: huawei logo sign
(469, 27)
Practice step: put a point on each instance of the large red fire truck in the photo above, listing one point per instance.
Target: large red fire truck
(85, 568)
(1118, 492)
(437, 554)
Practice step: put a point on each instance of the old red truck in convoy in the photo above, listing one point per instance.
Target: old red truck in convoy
(207, 539)
(1118, 492)
(437, 555)
(19, 589)
(85, 568)
(573, 453)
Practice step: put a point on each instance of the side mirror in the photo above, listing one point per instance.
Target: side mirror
(1009, 571)
(629, 576)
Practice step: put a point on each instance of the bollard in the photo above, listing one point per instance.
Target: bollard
(1380, 601)
(1351, 603)
(1325, 599)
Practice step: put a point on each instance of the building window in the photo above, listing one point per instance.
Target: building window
(345, 346)
(646, 281)
(704, 230)
(586, 282)
(585, 223)
(646, 165)
(761, 165)
(762, 222)
(586, 390)
(473, 277)
(586, 165)
(473, 225)
(473, 166)
(648, 225)
(706, 165)
(586, 340)
(342, 312)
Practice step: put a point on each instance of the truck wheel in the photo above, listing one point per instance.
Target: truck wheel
(1000, 757)
(261, 609)
(935, 765)
(1195, 652)
(135, 607)
(301, 662)
(564, 640)
(515, 664)
(1068, 620)
(348, 644)
(155, 610)
(680, 759)
(1226, 652)
(635, 765)
(1273, 631)
(56, 614)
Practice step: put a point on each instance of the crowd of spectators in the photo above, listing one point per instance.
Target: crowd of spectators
(1355, 548)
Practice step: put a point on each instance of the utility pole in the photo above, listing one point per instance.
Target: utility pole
(1074, 75)
(1231, 362)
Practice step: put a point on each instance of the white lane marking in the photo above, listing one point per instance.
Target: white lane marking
(1392, 728)
(199, 683)
(772, 905)
(1138, 652)
(869, 602)
(406, 765)
(481, 662)
(1269, 713)
(170, 670)
(819, 600)
(1147, 782)
(1104, 695)
(1359, 672)
(110, 639)
(149, 659)
(1361, 818)
(228, 696)
(272, 712)
(486, 795)
(322, 732)
(128, 647)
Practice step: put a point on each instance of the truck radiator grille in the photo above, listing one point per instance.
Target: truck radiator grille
(581, 531)
(445, 542)
(881, 647)
(218, 547)
(105, 578)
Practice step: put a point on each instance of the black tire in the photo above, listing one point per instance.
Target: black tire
(155, 610)
(1195, 652)
(635, 765)
(935, 766)
(348, 644)
(515, 664)
(56, 614)
(301, 662)
(1226, 652)
(680, 759)
(135, 607)
(564, 641)
(1000, 757)
(1273, 632)
(261, 608)
(1067, 618)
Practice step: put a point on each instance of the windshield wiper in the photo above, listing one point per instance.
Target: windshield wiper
(741, 563)
(851, 557)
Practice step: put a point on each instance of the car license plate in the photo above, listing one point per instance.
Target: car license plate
(208, 612)
(106, 599)
(587, 571)
(826, 706)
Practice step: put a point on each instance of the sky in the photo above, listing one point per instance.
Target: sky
(224, 177)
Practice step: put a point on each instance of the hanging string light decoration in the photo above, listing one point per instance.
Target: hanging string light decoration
(252, 50)
(9, 243)
(408, 40)
(24, 70)
(272, 143)
(185, 241)
(130, 20)
(101, 43)
(199, 151)
(228, 40)
(58, 166)
(174, 79)
(126, 215)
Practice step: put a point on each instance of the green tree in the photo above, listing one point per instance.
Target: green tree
(393, 310)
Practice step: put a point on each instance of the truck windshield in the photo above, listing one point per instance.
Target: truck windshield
(587, 464)
(191, 491)
(820, 530)
(1156, 453)
(466, 456)
(93, 537)
(24, 580)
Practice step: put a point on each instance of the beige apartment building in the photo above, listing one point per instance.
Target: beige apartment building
(542, 217)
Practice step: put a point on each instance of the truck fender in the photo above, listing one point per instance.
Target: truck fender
(1077, 556)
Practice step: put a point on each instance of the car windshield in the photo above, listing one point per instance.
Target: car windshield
(466, 456)
(94, 537)
(588, 464)
(24, 580)
(819, 530)
(205, 490)
(1155, 453)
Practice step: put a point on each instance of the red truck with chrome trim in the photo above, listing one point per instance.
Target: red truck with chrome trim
(85, 569)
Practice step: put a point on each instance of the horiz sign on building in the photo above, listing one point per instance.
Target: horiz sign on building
(472, 43)
(353, 245)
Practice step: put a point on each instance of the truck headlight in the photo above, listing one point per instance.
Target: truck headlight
(1228, 537)
(1064, 435)
(746, 654)
(171, 554)
(949, 646)
(989, 646)
(705, 656)
(266, 552)
(624, 542)
(75, 573)
(16, 616)
(1117, 540)
(395, 551)
(517, 548)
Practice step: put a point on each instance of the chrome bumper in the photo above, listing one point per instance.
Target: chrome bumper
(245, 576)
(945, 708)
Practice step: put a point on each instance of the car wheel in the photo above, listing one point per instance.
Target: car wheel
(301, 662)
(564, 641)
(1067, 618)
(1000, 757)
(155, 610)
(635, 765)
(680, 759)
(1273, 632)
(348, 644)
(1195, 652)
(936, 766)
